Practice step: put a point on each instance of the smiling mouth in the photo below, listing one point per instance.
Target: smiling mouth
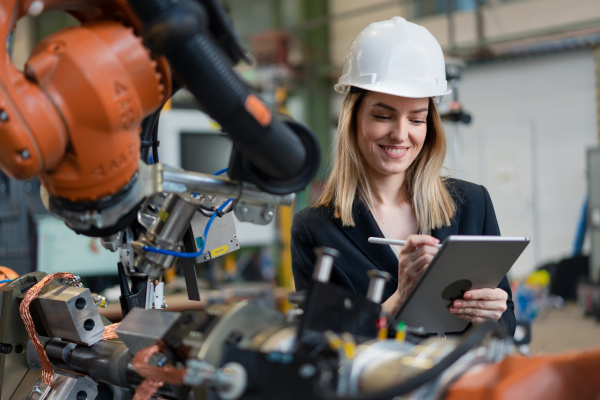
(395, 150)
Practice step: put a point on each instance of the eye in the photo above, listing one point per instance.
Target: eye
(417, 122)
(381, 117)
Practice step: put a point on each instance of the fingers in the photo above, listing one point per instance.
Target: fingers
(414, 242)
(486, 294)
(479, 305)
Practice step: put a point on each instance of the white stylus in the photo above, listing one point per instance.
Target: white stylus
(379, 240)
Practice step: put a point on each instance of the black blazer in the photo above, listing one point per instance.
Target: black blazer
(316, 227)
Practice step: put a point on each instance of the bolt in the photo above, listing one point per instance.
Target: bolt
(307, 370)
(36, 8)
(268, 215)
(348, 303)
(244, 210)
(25, 154)
(3, 116)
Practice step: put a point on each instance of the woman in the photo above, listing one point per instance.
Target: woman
(386, 179)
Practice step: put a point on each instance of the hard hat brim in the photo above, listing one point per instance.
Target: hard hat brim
(399, 90)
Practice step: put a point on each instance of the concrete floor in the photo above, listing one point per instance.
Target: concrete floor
(558, 330)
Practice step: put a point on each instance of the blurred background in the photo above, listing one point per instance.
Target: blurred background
(523, 120)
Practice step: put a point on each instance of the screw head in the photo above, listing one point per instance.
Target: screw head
(348, 303)
(268, 215)
(25, 154)
(3, 116)
(307, 370)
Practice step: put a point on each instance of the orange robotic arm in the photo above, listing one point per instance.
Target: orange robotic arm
(73, 117)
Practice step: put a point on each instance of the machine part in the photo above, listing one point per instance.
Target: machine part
(40, 136)
(157, 178)
(73, 388)
(278, 155)
(24, 310)
(222, 238)
(149, 304)
(105, 361)
(99, 300)
(189, 267)
(71, 314)
(324, 263)
(159, 296)
(13, 366)
(91, 220)
(40, 391)
(387, 371)
(144, 328)
(257, 214)
(370, 354)
(331, 307)
(229, 382)
(165, 233)
(430, 371)
(377, 280)
(241, 322)
(395, 57)
(570, 375)
(134, 297)
(190, 323)
(163, 371)
(121, 242)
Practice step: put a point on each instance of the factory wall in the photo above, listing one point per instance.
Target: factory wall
(533, 120)
(502, 20)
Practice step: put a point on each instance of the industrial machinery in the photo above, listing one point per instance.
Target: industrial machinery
(337, 345)
(73, 118)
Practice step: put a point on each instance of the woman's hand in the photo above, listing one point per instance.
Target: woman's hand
(413, 259)
(479, 305)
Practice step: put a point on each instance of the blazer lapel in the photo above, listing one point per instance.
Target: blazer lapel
(445, 231)
(381, 256)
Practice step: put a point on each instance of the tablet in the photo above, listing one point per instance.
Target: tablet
(462, 263)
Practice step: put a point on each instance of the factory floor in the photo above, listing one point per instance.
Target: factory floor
(559, 330)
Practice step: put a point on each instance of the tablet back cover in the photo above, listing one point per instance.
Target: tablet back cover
(462, 263)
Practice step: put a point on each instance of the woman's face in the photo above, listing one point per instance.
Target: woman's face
(391, 131)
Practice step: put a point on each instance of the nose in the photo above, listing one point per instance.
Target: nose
(399, 131)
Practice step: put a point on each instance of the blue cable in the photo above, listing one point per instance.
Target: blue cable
(581, 229)
(190, 255)
(5, 280)
(216, 173)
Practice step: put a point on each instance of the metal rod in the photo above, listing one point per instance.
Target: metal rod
(324, 264)
(203, 183)
(377, 285)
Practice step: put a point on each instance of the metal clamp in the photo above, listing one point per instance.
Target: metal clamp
(40, 391)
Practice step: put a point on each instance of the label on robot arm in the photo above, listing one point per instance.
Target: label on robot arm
(218, 251)
(163, 215)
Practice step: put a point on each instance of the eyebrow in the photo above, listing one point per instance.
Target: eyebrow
(383, 105)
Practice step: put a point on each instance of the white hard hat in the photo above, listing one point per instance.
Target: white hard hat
(395, 57)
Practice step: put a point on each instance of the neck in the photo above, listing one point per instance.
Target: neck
(386, 189)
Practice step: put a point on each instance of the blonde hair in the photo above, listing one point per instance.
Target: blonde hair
(429, 196)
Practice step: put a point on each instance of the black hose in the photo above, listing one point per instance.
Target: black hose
(155, 140)
(475, 335)
(282, 160)
(149, 125)
(149, 135)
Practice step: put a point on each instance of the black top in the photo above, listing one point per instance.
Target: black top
(316, 227)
